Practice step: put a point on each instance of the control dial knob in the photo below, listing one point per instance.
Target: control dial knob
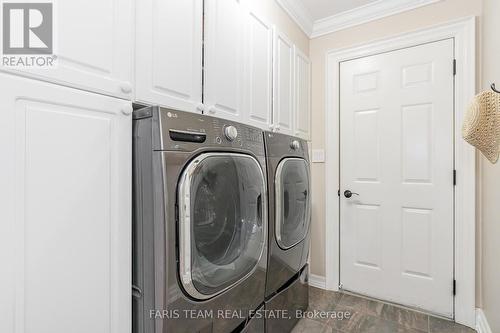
(295, 145)
(230, 132)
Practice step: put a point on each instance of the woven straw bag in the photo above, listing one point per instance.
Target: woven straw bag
(481, 127)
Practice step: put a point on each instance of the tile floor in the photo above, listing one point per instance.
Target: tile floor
(367, 316)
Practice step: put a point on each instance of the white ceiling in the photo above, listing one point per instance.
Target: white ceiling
(319, 9)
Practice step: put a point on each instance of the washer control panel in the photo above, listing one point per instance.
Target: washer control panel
(187, 131)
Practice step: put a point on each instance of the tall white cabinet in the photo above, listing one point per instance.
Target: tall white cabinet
(168, 63)
(65, 202)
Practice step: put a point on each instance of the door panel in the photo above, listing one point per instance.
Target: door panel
(302, 95)
(93, 47)
(367, 236)
(66, 209)
(169, 53)
(224, 47)
(283, 90)
(397, 154)
(260, 42)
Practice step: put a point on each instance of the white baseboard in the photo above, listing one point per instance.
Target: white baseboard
(482, 325)
(317, 281)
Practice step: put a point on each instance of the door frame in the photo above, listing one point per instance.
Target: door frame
(463, 31)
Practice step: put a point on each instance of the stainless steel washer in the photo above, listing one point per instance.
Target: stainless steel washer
(200, 222)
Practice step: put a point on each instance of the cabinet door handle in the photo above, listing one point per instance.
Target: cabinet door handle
(127, 110)
(200, 107)
(126, 88)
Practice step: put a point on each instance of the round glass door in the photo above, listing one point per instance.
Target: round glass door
(222, 222)
(293, 211)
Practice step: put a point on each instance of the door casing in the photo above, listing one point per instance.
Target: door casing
(463, 32)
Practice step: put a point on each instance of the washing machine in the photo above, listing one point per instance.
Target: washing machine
(289, 228)
(199, 223)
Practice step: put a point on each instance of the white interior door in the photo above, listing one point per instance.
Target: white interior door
(396, 138)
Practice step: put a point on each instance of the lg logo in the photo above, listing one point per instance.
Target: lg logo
(27, 28)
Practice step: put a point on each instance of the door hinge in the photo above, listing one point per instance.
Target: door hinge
(454, 66)
(454, 287)
(454, 177)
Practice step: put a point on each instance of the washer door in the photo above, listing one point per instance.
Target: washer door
(222, 222)
(292, 198)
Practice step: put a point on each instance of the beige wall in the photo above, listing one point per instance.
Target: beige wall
(271, 11)
(426, 16)
(490, 177)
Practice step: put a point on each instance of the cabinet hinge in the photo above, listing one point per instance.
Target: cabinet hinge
(454, 66)
(454, 177)
(454, 287)
(338, 193)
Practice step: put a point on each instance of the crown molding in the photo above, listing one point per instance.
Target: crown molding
(367, 13)
(364, 14)
(299, 13)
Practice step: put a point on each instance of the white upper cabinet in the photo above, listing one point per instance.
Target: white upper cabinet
(302, 95)
(283, 89)
(259, 69)
(94, 46)
(224, 43)
(169, 42)
(65, 207)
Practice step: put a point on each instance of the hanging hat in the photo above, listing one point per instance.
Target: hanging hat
(481, 127)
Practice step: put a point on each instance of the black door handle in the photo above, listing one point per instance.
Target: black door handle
(349, 194)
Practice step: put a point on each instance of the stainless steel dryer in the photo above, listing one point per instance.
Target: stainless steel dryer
(200, 223)
(289, 227)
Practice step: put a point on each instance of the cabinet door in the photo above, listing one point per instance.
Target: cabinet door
(283, 84)
(260, 41)
(65, 209)
(169, 53)
(302, 95)
(93, 45)
(224, 59)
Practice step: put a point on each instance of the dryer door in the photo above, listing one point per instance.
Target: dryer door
(222, 222)
(292, 201)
